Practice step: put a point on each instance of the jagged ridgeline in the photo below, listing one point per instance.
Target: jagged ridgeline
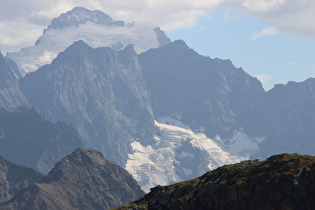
(85, 179)
(166, 114)
(99, 91)
(284, 181)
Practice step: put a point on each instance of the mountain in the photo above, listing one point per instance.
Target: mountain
(93, 27)
(28, 139)
(206, 94)
(284, 181)
(197, 104)
(13, 178)
(10, 93)
(179, 153)
(85, 179)
(285, 116)
(99, 91)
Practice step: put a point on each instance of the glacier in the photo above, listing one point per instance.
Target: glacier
(96, 33)
(179, 154)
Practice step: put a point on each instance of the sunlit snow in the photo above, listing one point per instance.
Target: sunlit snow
(54, 41)
(179, 154)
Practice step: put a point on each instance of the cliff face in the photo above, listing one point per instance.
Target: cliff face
(14, 177)
(85, 179)
(197, 90)
(100, 92)
(285, 116)
(10, 92)
(284, 181)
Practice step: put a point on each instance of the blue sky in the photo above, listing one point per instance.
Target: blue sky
(273, 40)
(277, 58)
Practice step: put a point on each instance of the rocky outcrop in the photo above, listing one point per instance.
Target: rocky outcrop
(100, 92)
(28, 139)
(85, 179)
(284, 181)
(13, 178)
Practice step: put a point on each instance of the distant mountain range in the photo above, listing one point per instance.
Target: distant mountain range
(166, 114)
(28, 139)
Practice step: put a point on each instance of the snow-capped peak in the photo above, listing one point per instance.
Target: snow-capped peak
(81, 15)
(94, 28)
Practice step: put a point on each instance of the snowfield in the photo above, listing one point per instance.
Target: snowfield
(54, 41)
(180, 154)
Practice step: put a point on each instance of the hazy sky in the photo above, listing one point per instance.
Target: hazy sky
(271, 39)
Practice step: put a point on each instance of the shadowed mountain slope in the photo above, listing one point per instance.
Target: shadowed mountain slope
(10, 93)
(28, 139)
(99, 91)
(197, 90)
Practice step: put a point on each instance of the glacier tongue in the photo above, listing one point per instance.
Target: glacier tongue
(180, 154)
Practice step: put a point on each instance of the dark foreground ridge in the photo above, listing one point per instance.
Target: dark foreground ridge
(285, 181)
(85, 179)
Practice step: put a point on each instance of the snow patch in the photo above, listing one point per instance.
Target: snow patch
(187, 171)
(240, 144)
(186, 154)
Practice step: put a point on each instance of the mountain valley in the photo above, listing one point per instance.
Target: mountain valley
(155, 107)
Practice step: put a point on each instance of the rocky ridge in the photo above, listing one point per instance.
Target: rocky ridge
(85, 179)
(99, 91)
(285, 181)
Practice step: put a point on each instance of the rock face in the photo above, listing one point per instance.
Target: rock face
(285, 116)
(10, 93)
(85, 179)
(14, 177)
(284, 181)
(28, 139)
(100, 92)
(198, 91)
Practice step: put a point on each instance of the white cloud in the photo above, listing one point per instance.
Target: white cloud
(38, 14)
(265, 32)
(295, 17)
(263, 78)
(293, 64)
(256, 6)
(311, 67)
